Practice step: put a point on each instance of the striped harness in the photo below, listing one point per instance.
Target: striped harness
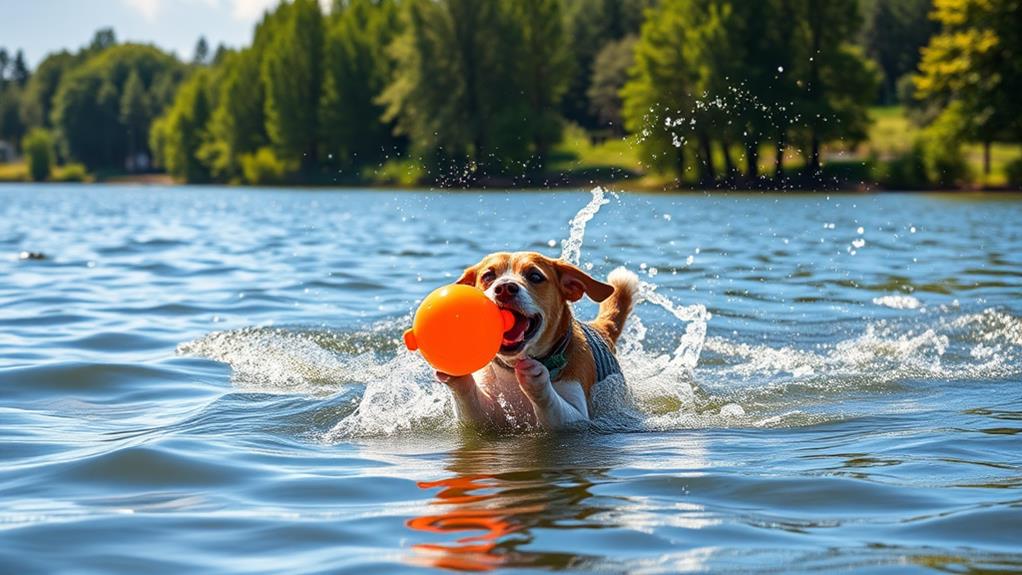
(606, 363)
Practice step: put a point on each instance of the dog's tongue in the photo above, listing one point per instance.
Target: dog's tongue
(516, 331)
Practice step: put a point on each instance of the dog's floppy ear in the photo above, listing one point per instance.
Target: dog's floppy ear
(469, 276)
(575, 283)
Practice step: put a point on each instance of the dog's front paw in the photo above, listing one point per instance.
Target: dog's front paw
(459, 383)
(533, 378)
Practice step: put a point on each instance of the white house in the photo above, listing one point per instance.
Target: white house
(7, 152)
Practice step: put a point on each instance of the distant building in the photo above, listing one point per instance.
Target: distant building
(7, 152)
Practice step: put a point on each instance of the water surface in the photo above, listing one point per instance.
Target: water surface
(210, 379)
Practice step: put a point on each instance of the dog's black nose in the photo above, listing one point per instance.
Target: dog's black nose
(506, 290)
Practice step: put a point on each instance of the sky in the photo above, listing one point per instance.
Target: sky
(42, 26)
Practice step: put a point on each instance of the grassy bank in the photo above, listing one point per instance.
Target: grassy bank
(18, 172)
(578, 160)
(892, 133)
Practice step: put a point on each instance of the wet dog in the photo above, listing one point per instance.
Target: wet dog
(548, 361)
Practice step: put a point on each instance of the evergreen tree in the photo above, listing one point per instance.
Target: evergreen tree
(178, 136)
(103, 38)
(543, 67)
(357, 69)
(292, 74)
(456, 93)
(12, 128)
(201, 54)
(134, 114)
(19, 71)
(238, 124)
(5, 60)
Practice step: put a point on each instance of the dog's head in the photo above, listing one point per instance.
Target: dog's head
(536, 289)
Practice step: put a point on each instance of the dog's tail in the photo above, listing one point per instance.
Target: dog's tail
(615, 309)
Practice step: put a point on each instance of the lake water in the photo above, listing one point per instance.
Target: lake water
(210, 379)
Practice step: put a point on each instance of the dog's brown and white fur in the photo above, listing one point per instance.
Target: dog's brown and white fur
(515, 390)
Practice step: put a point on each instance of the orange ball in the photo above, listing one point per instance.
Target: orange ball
(458, 329)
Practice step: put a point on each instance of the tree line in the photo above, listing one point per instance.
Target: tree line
(714, 92)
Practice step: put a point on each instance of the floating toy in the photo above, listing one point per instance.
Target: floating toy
(458, 329)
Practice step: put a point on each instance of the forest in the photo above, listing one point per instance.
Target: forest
(898, 94)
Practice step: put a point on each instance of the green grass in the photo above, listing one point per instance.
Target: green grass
(893, 133)
(576, 157)
(13, 172)
(18, 172)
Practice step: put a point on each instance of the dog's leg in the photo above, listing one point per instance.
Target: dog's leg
(556, 407)
(471, 408)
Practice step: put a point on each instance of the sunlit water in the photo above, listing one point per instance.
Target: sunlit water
(200, 380)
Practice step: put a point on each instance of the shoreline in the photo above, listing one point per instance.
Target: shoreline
(165, 181)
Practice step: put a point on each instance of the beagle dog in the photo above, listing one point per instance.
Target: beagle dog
(548, 361)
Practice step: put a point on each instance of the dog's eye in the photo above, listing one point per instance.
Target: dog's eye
(535, 277)
(488, 277)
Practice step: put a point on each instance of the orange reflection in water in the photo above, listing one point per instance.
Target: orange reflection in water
(459, 510)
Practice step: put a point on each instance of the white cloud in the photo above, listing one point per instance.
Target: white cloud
(253, 9)
(147, 8)
(242, 10)
(250, 9)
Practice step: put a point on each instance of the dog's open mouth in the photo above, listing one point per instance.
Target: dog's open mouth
(522, 331)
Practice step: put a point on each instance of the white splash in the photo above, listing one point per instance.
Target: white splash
(571, 248)
(898, 302)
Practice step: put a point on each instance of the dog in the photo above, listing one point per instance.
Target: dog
(548, 363)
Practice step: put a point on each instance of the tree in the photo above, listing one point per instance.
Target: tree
(12, 128)
(357, 69)
(88, 105)
(589, 26)
(38, 146)
(714, 71)
(37, 103)
(220, 53)
(839, 81)
(893, 33)
(610, 73)
(543, 67)
(12, 90)
(201, 54)
(237, 125)
(660, 98)
(181, 132)
(456, 92)
(292, 74)
(758, 61)
(5, 60)
(134, 114)
(103, 38)
(973, 63)
(19, 71)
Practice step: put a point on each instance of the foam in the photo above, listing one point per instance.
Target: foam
(898, 302)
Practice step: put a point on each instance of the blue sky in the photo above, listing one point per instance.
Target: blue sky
(43, 26)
